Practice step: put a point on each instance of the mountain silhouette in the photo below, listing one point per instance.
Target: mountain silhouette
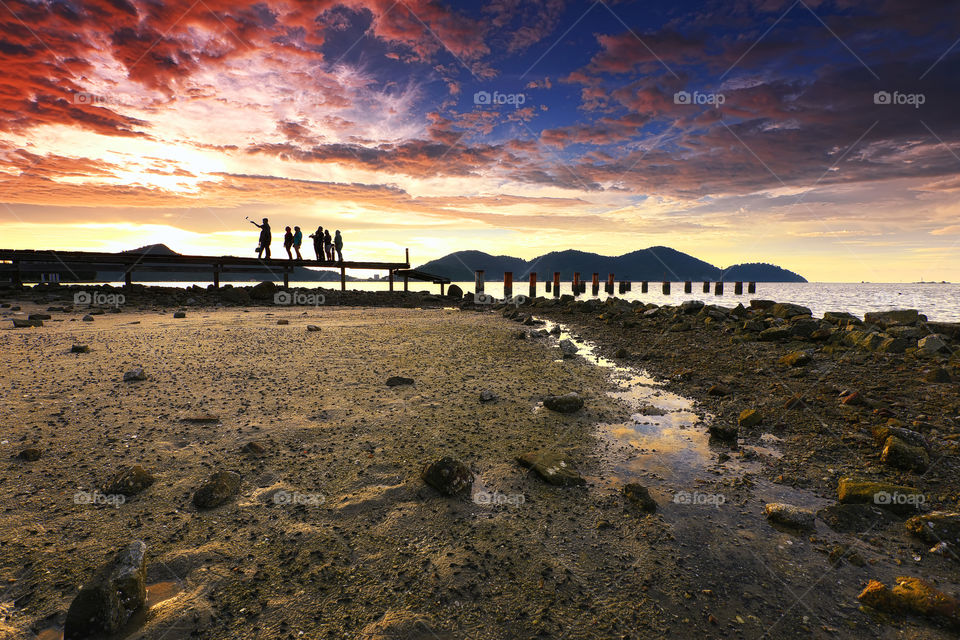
(651, 264)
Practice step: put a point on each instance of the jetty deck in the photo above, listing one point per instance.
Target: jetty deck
(26, 265)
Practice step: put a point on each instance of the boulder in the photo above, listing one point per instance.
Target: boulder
(897, 453)
(263, 292)
(79, 348)
(795, 359)
(790, 516)
(639, 496)
(895, 498)
(691, 306)
(890, 318)
(128, 481)
(488, 396)
(893, 345)
(396, 381)
(219, 489)
(235, 296)
(448, 475)
(937, 526)
(788, 310)
(134, 375)
(804, 328)
(312, 327)
(23, 323)
(39, 316)
(749, 418)
(30, 454)
(455, 292)
(775, 334)
(910, 595)
(567, 403)
(841, 318)
(109, 599)
(931, 345)
(724, 431)
(762, 304)
(553, 467)
(87, 318)
(253, 449)
(911, 437)
(179, 314)
(568, 348)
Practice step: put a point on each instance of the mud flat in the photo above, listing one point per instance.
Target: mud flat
(328, 415)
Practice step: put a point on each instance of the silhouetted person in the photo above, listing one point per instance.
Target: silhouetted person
(338, 245)
(318, 242)
(265, 237)
(297, 241)
(288, 242)
(328, 245)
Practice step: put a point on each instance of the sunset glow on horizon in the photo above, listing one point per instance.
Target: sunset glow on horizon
(819, 136)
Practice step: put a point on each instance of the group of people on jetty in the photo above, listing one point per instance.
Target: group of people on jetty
(324, 244)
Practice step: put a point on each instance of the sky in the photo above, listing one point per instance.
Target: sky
(820, 136)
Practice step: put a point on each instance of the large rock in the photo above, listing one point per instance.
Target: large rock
(895, 498)
(567, 403)
(911, 437)
(762, 304)
(107, 601)
(235, 295)
(134, 375)
(775, 334)
(219, 489)
(937, 526)
(897, 453)
(795, 359)
(931, 345)
(568, 347)
(724, 431)
(129, 481)
(911, 595)
(455, 292)
(890, 318)
(790, 516)
(639, 496)
(749, 418)
(263, 292)
(23, 323)
(788, 310)
(894, 345)
(691, 306)
(448, 475)
(552, 466)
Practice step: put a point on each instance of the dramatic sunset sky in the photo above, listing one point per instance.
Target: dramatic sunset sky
(510, 126)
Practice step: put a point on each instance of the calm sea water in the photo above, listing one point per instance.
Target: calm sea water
(939, 302)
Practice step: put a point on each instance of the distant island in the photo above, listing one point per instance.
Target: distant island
(651, 264)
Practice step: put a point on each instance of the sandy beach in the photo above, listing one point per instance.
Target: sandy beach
(333, 533)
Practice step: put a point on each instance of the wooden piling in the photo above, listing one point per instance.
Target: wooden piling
(533, 285)
(644, 286)
(216, 276)
(666, 288)
(390, 276)
(128, 278)
(286, 277)
(478, 280)
(343, 278)
(718, 288)
(610, 281)
(738, 288)
(576, 283)
(508, 284)
(556, 284)
(752, 287)
(406, 284)
(547, 286)
(706, 287)
(688, 287)
(595, 288)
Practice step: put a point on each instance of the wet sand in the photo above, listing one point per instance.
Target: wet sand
(357, 544)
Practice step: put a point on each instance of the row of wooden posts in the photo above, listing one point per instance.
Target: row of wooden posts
(579, 286)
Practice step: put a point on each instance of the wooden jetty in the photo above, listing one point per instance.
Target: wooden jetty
(22, 265)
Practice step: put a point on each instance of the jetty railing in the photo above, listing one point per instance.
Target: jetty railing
(578, 286)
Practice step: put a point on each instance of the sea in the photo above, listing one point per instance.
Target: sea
(938, 301)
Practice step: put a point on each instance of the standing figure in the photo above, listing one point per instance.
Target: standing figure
(288, 242)
(338, 245)
(328, 245)
(265, 237)
(297, 241)
(318, 243)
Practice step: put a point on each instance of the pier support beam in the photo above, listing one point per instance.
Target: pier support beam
(576, 283)
(610, 282)
(216, 276)
(688, 287)
(128, 278)
(478, 281)
(533, 285)
(343, 278)
(507, 284)
(286, 278)
(595, 288)
(644, 286)
(666, 288)
(706, 287)
(556, 284)
(738, 288)
(390, 276)
(718, 288)
(752, 287)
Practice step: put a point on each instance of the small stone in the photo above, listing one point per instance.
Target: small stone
(936, 526)
(749, 418)
(253, 449)
(134, 375)
(553, 467)
(87, 318)
(283, 321)
(180, 314)
(718, 390)
(218, 490)
(201, 417)
(568, 348)
(774, 334)
(108, 600)
(790, 516)
(23, 323)
(567, 403)
(488, 396)
(724, 431)
(910, 595)
(931, 345)
(396, 381)
(80, 348)
(30, 454)
(312, 327)
(129, 481)
(448, 475)
(897, 453)
(39, 316)
(892, 497)
(795, 359)
(639, 496)
(622, 354)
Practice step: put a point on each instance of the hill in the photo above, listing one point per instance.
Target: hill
(651, 264)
